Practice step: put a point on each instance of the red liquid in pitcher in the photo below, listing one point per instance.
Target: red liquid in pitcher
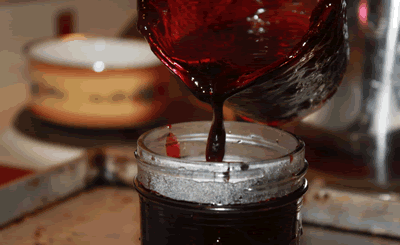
(212, 46)
(218, 48)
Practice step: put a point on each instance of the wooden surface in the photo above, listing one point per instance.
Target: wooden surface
(110, 215)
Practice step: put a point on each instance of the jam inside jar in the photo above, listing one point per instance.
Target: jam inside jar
(253, 197)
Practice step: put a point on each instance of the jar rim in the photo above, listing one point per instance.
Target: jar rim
(142, 147)
(220, 182)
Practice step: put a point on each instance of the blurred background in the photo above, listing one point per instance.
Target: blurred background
(58, 158)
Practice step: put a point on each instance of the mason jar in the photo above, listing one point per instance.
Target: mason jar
(253, 197)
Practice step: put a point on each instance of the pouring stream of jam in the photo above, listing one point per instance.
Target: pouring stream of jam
(218, 48)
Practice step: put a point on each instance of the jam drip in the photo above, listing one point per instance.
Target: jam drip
(215, 150)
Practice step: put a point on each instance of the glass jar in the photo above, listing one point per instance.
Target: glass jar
(253, 197)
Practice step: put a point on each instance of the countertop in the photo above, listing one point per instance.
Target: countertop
(110, 215)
